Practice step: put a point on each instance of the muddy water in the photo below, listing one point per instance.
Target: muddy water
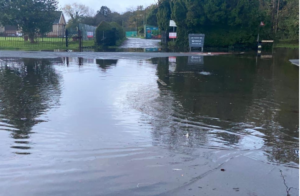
(219, 125)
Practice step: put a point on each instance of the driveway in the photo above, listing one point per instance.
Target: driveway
(141, 43)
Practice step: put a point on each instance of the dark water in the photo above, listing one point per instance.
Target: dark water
(107, 127)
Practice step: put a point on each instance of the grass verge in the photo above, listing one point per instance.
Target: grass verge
(18, 43)
(292, 44)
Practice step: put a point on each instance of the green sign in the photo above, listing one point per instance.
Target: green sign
(131, 34)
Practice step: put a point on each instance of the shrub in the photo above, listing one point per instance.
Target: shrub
(109, 34)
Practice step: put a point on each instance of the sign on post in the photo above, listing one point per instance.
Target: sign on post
(196, 41)
(172, 35)
(90, 34)
(172, 23)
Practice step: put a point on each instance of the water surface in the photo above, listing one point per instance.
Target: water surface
(108, 127)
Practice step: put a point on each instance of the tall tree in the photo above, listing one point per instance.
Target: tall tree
(104, 14)
(76, 12)
(225, 23)
(32, 16)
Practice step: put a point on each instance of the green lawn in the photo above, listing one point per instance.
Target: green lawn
(18, 43)
(287, 45)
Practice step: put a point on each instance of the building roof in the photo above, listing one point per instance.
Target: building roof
(57, 16)
(11, 28)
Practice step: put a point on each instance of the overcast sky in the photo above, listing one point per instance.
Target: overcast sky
(114, 5)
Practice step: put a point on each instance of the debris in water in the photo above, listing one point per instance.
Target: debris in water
(161, 82)
(187, 135)
(205, 73)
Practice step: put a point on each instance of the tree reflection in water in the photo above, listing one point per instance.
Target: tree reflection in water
(104, 64)
(241, 104)
(28, 88)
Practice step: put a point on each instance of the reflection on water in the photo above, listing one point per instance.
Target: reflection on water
(105, 64)
(86, 121)
(229, 102)
(28, 88)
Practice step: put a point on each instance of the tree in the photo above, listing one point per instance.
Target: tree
(32, 16)
(104, 14)
(225, 23)
(77, 12)
(109, 34)
(163, 14)
(151, 18)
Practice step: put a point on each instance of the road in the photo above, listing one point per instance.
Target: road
(99, 55)
(141, 43)
(130, 43)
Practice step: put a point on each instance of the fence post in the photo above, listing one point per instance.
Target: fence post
(80, 40)
(67, 34)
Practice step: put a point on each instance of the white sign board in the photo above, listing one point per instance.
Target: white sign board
(172, 23)
(172, 35)
(90, 34)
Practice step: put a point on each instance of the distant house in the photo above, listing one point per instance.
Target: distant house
(10, 30)
(59, 25)
(2, 29)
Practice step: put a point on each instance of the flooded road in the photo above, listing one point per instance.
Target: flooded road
(141, 43)
(213, 125)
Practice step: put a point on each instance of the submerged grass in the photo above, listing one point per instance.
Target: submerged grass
(286, 43)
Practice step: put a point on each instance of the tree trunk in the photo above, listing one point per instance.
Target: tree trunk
(31, 37)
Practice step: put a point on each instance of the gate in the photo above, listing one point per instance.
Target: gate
(88, 35)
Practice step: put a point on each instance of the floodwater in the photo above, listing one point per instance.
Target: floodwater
(215, 125)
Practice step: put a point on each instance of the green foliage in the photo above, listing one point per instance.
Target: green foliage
(163, 14)
(109, 34)
(141, 30)
(155, 32)
(32, 16)
(225, 23)
(120, 33)
(151, 16)
(288, 20)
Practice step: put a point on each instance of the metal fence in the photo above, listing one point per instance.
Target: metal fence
(48, 41)
(59, 39)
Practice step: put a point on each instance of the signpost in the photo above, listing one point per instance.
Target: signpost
(172, 23)
(90, 34)
(172, 35)
(196, 41)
